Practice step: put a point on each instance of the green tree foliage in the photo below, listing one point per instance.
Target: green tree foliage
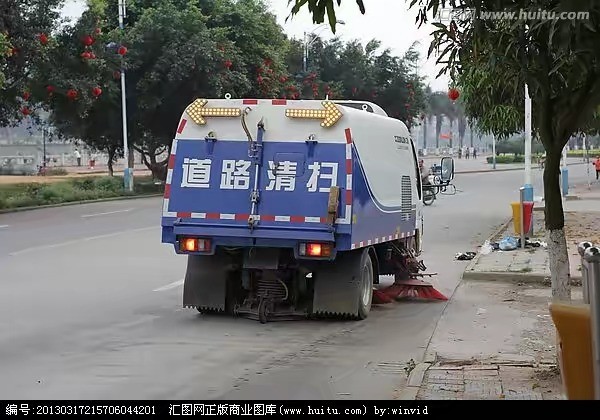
(26, 29)
(492, 59)
(179, 50)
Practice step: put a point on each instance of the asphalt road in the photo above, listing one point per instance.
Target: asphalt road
(90, 308)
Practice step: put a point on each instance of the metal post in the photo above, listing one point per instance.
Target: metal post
(494, 151)
(587, 161)
(527, 184)
(44, 145)
(564, 172)
(127, 172)
(592, 257)
(581, 248)
(304, 52)
(522, 212)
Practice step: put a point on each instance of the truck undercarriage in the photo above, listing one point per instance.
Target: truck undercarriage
(271, 284)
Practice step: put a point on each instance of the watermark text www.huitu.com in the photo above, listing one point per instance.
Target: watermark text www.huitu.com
(449, 14)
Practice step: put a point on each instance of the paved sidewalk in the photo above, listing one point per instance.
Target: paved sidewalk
(530, 264)
(504, 380)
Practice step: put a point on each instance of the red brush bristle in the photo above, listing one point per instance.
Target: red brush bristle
(379, 297)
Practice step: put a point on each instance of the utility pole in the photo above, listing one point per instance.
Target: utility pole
(128, 172)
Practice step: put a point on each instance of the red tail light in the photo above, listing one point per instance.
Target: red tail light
(315, 249)
(194, 244)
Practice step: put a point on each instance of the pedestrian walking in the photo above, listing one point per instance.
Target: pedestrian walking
(474, 153)
(78, 157)
(467, 153)
(597, 166)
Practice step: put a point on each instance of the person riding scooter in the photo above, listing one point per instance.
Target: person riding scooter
(424, 173)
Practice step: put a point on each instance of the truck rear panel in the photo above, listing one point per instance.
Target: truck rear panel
(210, 184)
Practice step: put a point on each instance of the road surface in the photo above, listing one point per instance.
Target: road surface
(90, 308)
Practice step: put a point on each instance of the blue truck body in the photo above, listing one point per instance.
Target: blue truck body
(259, 194)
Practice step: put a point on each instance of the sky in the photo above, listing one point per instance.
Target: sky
(387, 21)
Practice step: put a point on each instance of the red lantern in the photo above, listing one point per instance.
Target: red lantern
(98, 31)
(72, 94)
(43, 39)
(97, 91)
(283, 79)
(92, 56)
(228, 63)
(25, 111)
(453, 94)
(87, 40)
(50, 89)
(26, 95)
(259, 79)
(85, 55)
(122, 50)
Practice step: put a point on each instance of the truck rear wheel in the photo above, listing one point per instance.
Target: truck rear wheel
(366, 277)
(344, 287)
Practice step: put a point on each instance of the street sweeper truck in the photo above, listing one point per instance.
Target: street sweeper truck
(294, 208)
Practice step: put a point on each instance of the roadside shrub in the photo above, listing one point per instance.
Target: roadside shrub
(56, 171)
(109, 184)
(506, 159)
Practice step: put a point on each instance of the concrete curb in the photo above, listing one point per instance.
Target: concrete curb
(478, 171)
(75, 203)
(416, 377)
(497, 232)
(506, 277)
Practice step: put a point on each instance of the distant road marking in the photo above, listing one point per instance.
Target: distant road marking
(4, 226)
(76, 241)
(169, 286)
(105, 213)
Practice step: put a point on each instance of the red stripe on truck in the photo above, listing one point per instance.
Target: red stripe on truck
(250, 102)
(279, 102)
(213, 215)
(348, 197)
(184, 215)
(297, 219)
(171, 164)
(167, 191)
(240, 216)
(348, 166)
(348, 135)
(181, 125)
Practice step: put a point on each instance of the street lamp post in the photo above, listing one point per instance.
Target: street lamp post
(306, 43)
(527, 187)
(128, 172)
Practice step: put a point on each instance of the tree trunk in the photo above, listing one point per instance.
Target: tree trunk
(471, 135)
(112, 151)
(425, 133)
(438, 130)
(555, 223)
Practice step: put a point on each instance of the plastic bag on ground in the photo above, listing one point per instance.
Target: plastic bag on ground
(508, 243)
(486, 248)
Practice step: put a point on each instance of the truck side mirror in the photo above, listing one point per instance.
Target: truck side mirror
(447, 165)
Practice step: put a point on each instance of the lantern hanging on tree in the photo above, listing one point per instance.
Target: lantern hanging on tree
(50, 89)
(25, 111)
(26, 96)
(122, 50)
(43, 38)
(98, 31)
(72, 94)
(87, 40)
(453, 94)
(228, 64)
(97, 91)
